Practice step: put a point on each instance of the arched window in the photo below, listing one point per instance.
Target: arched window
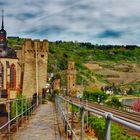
(1, 75)
(12, 77)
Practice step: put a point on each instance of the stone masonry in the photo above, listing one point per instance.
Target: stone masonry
(30, 50)
(71, 78)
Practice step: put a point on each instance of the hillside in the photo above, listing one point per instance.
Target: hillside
(97, 65)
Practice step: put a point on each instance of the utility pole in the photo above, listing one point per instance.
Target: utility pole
(36, 50)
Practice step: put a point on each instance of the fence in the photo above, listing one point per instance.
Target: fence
(18, 110)
(62, 106)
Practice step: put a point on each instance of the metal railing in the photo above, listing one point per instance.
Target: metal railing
(62, 107)
(18, 111)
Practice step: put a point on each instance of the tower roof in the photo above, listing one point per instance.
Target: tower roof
(2, 31)
(3, 42)
(2, 25)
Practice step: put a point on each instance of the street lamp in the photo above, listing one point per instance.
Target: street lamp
(36, 44)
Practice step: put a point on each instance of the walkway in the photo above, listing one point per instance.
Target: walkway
(43, 125)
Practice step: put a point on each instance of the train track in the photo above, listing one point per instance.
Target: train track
(126, 116)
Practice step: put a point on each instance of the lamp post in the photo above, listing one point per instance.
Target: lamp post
(36, 44)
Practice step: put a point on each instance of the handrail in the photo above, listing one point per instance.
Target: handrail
(26, 105)
(107, 115)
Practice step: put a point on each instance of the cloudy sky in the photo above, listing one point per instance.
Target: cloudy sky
(96, 21)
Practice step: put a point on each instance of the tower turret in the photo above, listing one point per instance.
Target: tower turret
(3, 42)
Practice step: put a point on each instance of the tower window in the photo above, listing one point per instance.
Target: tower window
(42, 56)
(1, 75)
(13, 77)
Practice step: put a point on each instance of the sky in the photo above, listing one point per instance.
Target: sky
(95, 21)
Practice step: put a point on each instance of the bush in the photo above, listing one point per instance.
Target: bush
(94, 95)
(117, 133)
(19, 105)
(114, 102)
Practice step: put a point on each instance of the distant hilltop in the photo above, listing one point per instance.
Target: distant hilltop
(13, 37)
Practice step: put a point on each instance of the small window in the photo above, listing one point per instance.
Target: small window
(42, 56)
(1, 75)
(13, 77)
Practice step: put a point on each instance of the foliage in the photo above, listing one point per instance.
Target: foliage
(130, 91)
(94, 95)
(114, 102)
(75, 108)
(84, 52)
(117, 132)
(20, 102)
(15, 43)
(51, 96)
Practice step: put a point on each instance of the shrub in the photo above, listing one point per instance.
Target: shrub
(19, 105)
(94, 95)
(117, 133)
(114, 102)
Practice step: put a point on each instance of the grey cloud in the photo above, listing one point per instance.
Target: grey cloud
(110, 34)
(98, 21)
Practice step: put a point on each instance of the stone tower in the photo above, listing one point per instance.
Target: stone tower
(71, 78)
(34, 62)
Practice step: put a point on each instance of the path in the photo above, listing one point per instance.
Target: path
(42, 126)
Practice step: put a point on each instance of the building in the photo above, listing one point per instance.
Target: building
(56, 83)
(9, 67)
(22, 71)
(33, 59)
(71, 79)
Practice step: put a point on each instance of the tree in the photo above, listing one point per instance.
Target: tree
(130, 91)
(94, 95)
(114, 102)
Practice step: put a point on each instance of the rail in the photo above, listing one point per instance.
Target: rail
(17, 110)
(62, 107)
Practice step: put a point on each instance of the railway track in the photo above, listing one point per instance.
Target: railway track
(126, 116)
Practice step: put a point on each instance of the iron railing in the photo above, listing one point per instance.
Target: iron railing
(17, 110)
(62, 107)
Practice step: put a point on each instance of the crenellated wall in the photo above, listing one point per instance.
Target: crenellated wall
(29, 50)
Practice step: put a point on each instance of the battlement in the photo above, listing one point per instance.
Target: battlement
(34, 54)
(30, 45)
(71, 65)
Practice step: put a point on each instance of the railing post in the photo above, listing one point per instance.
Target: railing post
(26, 109)
(72, 124)
(67, 127)
(0, 134)
(108, 125)
(22, 111)
(9, 125)
(29, 108)
(86, 115)
(17, 115)
(82, 123)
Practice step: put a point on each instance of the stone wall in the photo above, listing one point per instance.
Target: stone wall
(11, 61)
(30, 50)
(71, 77)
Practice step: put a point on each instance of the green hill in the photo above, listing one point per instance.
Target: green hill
(119, 60)
(97, 65)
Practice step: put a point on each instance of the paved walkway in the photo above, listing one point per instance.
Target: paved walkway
(42, 126)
